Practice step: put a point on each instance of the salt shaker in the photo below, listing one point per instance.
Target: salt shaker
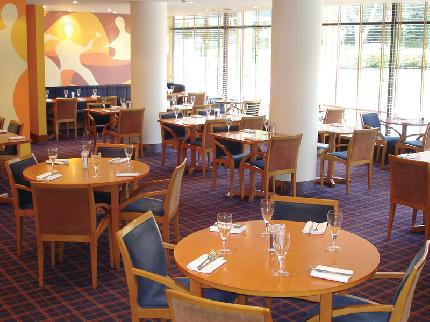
(271, 229)
(84, 156)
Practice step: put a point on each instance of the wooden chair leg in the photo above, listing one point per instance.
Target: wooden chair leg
(251, 186)
(378, 152)
(383, 155)
(204, 163)
(53, 254)
(241, 183)
(18, 221)
(321, 173)
(93, 253)
(268, 302)
(214, 169)
(76, 130)
(414, 217)
(163, 154)
(57, 129)
(294, 184)
(60, 251)
(40, 254)
(347, 178)
(391, 219)
(369, 176)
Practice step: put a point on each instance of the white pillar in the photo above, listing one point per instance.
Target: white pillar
(149, 63)
(296, 27)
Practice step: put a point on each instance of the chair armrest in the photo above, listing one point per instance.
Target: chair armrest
(330, 148)
(418, 136)
(391, 128)
(164, 280)
(169, 246)
(22, 187)
(222, 147)
(168, 129)
(360, 308)
(108, 125)
(150, 184)
(103, 206)
(140, 196)
(384, 275)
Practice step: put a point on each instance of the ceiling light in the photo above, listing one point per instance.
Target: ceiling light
(109, 10)
(44, 6)
(115, 12)
(187, 1)
(93, 11)
(255, 7)
(75, 1)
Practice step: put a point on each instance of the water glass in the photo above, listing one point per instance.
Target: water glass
(128, 150)
(95, 157)
(94, 92)
(334, 221)
(176, 110)
(78, 92)
(122, 102)
(86, 145)
(52, 155)
(228, 122)
(281, 244)
(193, 99)
(185, 99)
(208, 112)
(66, 93)
(47, 93)
(173, 100)
(224, 222)
(266, 207)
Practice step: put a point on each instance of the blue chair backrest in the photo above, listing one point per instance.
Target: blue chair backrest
(113, 152)
(371, 120)
(145, 246)
(233, 146)
(179, 130)
(300, 212)
(17, 169)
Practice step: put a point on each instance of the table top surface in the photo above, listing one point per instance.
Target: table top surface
(245, 136)
(249, 268)
(419, 156)
(337, 128)
(405, 121)
(75, 174)
(195, 120)
(4, 139)
(111, 110)
(80, 99)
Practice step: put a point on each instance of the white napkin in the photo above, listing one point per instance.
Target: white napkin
(16, 138)
(81, 99)
(48, 176)
(118, 160)
(59, 161)
(311, 225)
(3, 131)
(410, 156)
(127, 174)
(332, 273)
(235, 228)
(192, 266)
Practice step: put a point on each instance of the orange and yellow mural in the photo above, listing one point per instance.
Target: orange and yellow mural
(84, 48)
(13, 64)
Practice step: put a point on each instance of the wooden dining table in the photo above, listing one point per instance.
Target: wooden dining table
(404, 123)
(74, 174)
(249, 268)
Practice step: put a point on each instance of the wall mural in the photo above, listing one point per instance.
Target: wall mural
(13, 52)
(86, 48)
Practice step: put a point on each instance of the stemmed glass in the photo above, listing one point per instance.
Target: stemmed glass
(94, 92)
(128, 150)
(176, 110)
(193, 99)
(266, 207)
(334, 221)
(174, 100)
(52, 156)
(266, 125)
(228, 122)
(66, 92)
(281, 244)
(185, 99)
(47, 93)
(78, 92)
(224, 222)
(208, 111)
(122, 102)
(95, 157)
(86, 145)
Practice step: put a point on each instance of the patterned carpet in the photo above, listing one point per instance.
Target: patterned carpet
(68, 294)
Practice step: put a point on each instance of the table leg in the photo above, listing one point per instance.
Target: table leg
(404, 130)
(195, 288)
(326, 306)
(115, 223)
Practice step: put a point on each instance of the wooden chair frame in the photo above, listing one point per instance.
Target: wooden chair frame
(56, 121)
(2, 119)
(248, 310)
(5, 157)
(91, 238)
(401, 145)
(119, 146)
(246, 119)
(348, 164)
(308, 201)
(174, 142)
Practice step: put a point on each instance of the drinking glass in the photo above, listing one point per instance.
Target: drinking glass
(185, 99)
(193, 99)
(228, 122)
(52, 156)
(47, 93)
(266, 207)
(86, 145)
(224, 222)
(176, 110)
(78, 92)
(128, 150)
(122, 102)
(334, 221)
(208, 111)
(281, 244)
(66, 93)
(95, 92)
(173, 100)
(95, 157)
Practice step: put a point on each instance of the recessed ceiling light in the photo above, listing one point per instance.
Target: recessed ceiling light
(115, 12)
(69, 10)
(75, 1)
(93, 11)
(44, 6)
(255, 7)
(206, 10)
(109, 9)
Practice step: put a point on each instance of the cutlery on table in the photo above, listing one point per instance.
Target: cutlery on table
(325, 271)
(211, 257)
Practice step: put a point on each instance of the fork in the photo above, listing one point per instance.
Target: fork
(210, 258)
(316, 227)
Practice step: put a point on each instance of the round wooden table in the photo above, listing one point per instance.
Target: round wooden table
(107, 181)
(249, 268)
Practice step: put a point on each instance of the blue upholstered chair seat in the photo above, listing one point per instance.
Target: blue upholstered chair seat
(259, 163)
(236, 159)
(196, 142)
(340, 154)
(145, 204)
(416, 143)
(9, 150)
(102, 197)
(339, 301)
(26, 205)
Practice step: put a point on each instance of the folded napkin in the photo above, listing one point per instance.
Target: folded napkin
(314, 228)
(118, 160)
(81, 99)
(192, 266)
(59, 161)
(410, 156)
(127, 174)
(197, 116)
(235, 228)
(16, 138)
(332, 273)
(48, 176)
(3, 131)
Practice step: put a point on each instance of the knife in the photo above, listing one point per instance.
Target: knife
(331, 272)
(207, 262)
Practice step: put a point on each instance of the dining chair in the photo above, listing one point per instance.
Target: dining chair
(302, 209)
(128, 124)
(333, 115)
(94, 123)
(251, 108)
(144, 256)
(201, 110)
(21, 193)
(420, 144)
(384, 143)
(2, 119)
(116, 150)
(185, 307)
(360, 151)
(410, 186)
(225, 153)
(280, 158)
(165, 209)
(353, 308)
(10, 151)
(171, 135)
(252, 122)
(200, 98)
(112, 100)
(65, 111)
(201, 143)
(59, 219)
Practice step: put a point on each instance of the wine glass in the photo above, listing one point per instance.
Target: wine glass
(176, 110)
(266, 125)
(66, 92)
(128, 150)
(281, 244)
(185, 99)
(52, 155)
(122, 102)
(94, 92)
(266, 207)
(224, 222)
(228, 122)
(95, 157)
(86, 145)
(78, 92)
(173, 100)
(334, 221)
(208, 111)
(193, 99)
(47, 93)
